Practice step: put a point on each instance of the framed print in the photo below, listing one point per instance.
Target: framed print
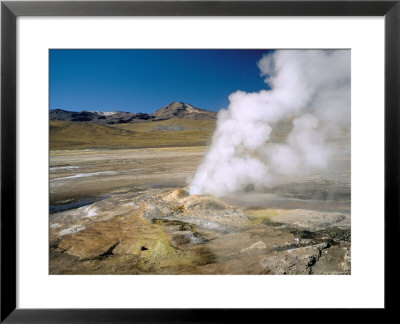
(184, 156)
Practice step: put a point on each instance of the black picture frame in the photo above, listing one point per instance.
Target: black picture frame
(10, 10)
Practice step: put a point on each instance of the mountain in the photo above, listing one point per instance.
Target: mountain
(184, 111)
(173, 110)
(97, 117)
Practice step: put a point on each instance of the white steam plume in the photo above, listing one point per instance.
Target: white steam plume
(309, 98)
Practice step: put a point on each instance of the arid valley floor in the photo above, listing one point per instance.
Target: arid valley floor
(127, 211)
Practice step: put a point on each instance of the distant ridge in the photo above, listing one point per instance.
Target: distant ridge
(97, 117)
(173, 110)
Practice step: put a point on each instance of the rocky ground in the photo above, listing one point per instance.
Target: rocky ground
(139, 219)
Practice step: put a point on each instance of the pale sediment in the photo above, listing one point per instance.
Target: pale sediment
(170, 232)
(136, 221)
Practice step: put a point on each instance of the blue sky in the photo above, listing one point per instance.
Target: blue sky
(146, 80)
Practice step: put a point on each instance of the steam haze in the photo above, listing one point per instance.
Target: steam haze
(290, 131)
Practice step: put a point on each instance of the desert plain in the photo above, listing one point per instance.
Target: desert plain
(119, 204)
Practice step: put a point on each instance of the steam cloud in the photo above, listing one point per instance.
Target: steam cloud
(264, 138)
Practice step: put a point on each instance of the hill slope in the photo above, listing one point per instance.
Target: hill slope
(184, 111)
(65, 135)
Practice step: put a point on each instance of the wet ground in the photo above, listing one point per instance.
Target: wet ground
(127, 212)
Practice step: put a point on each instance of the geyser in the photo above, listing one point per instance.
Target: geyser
(289, 131)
